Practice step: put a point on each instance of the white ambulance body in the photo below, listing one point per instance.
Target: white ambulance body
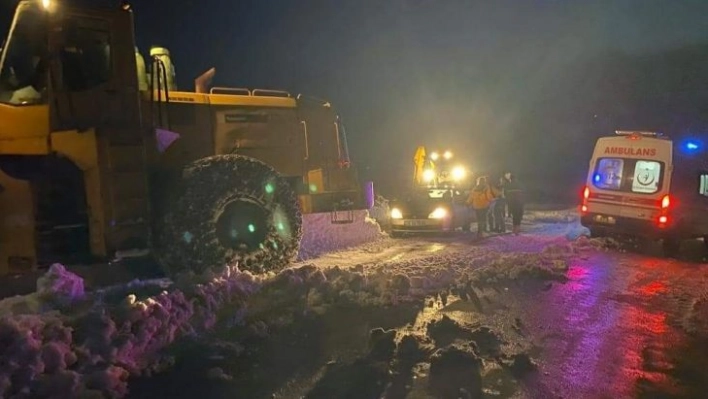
(644, 185)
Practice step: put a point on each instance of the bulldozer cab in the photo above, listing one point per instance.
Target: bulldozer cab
(24, 58)
(93, 77)
(72, 157)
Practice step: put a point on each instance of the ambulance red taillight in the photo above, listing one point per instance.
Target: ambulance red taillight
(586, 195)
(665, 208)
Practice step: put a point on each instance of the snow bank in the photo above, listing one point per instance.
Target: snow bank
(435, 354)
(576, 232)
(104, 337)
(60, 284)
(381, 211)
(92, 348)
(458, 271)
(555, 216)
(320, 235)
(56, 289)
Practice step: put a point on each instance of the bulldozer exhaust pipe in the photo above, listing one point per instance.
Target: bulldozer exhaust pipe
(201, 84)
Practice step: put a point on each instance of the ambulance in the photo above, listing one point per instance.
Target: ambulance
(646, 185)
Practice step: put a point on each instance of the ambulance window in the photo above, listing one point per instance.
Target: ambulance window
(703, 185)
(608, 174)
(647, 175)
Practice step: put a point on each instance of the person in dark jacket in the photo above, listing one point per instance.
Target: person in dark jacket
(515, 201)
(499, 210)
(491, 222)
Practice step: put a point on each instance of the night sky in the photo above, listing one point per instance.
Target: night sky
(519, 84)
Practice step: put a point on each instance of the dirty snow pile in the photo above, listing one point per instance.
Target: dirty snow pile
(56, 287)
(474, 266)
(450, 362)
(321, 235)
(448, 359)
(81, 347)
(432, 353)
(381, 211)
(554, 216)
(436, 353)
(64, 342)
(568, 219)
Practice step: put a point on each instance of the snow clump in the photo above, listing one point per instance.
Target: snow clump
(60, 284)
(94, 352)
(321, 235)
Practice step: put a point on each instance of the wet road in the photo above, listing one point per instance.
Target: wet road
(626, 324)
(621, 327)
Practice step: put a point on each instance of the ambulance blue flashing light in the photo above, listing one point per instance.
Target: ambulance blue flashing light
(691, 146)
(597, 178)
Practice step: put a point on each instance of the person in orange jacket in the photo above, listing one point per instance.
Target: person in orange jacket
(480, 198)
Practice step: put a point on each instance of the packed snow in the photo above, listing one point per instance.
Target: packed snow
(65, 342)
(320, 235)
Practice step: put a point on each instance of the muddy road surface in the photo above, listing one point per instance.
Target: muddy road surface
(541, 315)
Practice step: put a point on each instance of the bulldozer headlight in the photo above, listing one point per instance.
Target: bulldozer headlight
(428, 175)
(438, 213)
(396, 213)
(458, 173)
(434, 156)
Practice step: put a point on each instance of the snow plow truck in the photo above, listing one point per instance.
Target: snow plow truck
(100, 152)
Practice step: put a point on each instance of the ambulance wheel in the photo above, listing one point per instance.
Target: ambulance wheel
(671, 247)
(232, 210)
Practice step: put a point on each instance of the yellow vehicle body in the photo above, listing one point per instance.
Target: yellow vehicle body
(101, 139)
(437, 170)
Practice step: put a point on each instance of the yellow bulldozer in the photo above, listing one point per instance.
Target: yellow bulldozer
(100, 152)
(438, 170)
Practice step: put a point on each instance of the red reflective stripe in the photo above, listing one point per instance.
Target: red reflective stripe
(599, 201)
(643, 201)
(610, 197)
(627, 199)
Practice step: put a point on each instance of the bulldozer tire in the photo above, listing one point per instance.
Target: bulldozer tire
(232, 210)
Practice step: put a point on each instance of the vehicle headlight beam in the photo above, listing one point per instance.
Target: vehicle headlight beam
(459, 173)
(438, 213)
(396, 213)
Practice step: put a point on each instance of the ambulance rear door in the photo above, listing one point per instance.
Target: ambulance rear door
(631, 175)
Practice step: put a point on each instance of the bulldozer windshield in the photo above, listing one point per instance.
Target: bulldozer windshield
(23, 61)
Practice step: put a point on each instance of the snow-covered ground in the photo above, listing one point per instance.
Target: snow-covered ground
(439, 316)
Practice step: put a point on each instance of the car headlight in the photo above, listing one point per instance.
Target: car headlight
(428, 175)
(396, 213)
(458, 173)
(447, 155)
(438, 213)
